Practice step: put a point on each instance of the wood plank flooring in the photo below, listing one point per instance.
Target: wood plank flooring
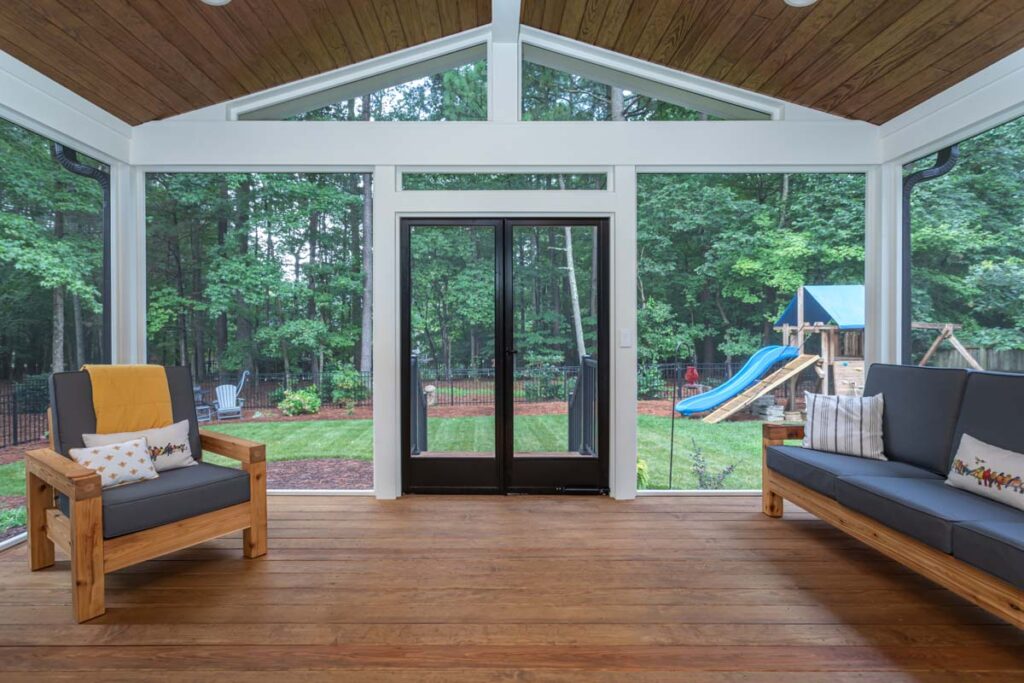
(532, 589)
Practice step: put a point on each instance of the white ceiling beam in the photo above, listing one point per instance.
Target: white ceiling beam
(505, 20)
(990, 97)
(570, 143)
(40, 104)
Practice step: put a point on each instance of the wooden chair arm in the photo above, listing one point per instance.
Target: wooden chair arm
(774, 433)
(75, 481)
(232, 447)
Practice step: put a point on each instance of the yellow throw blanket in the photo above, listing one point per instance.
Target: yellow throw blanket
(129, 398)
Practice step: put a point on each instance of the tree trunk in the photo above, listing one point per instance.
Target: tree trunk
(617, 105)
(243, 326)
(574, 295)
(57, 351)
(222, 319)
(76, 304)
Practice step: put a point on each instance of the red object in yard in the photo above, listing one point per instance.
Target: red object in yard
(692, 376)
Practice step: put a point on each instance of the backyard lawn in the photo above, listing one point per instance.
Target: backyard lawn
(721, 445)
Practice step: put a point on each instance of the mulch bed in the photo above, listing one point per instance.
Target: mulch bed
(326, 473)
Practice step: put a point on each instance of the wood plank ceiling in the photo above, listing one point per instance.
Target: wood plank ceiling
(863, 59)
(148, 59)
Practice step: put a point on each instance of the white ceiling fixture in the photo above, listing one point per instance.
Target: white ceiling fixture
(221, 3)
(791, 3)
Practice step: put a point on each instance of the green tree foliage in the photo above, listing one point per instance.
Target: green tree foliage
(51, 247)
(968, 242)
(720, 255)
(255, 271)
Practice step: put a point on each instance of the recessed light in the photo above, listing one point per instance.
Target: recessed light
(221, 3)
(791, 3)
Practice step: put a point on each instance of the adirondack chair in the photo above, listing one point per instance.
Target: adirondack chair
(229, 404)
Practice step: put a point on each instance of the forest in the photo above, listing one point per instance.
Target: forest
(273, 271)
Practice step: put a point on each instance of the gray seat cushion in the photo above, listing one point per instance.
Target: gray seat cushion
(991, 411)
(818, 470)
(173, 496)
(925, 509)
(994, 547)
(921, 410)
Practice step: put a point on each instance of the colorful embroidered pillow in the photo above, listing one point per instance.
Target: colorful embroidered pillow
(168, 446)
(988, 471)
(848, 425)
(117, 463)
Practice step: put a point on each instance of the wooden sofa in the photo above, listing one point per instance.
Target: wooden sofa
(969, 544)
(103, 531)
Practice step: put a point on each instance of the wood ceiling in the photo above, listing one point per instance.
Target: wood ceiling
(148, 59)
(863, 59)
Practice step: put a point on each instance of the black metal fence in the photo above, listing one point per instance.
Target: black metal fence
(23, 404)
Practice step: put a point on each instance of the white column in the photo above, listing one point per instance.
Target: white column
(882, 264)
(503, 82)
(623, 336)
(387, 413)
(128, 264)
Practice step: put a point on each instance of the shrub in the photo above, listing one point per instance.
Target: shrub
(300, 402)
(643, 475)
(348, 386)
(544, 384)
(649, 382)
(276, 396)
(708, 480)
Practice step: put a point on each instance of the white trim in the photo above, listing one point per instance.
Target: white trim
(41, 105)
(369, 68)
(13, 540)
(779, 109)
(622, 291)
(978, 103)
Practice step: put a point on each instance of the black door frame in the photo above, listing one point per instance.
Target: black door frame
(503, 473)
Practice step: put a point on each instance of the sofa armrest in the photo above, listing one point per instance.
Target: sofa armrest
(775, 433)
(75, 481)
(232, 447)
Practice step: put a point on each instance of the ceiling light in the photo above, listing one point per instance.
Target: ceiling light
(221, 3)
(791, 3)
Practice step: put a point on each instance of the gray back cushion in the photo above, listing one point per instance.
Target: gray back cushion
(71, 406)
(992, 411)
(921, 410)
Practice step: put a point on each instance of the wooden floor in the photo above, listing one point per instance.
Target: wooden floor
(530, 589)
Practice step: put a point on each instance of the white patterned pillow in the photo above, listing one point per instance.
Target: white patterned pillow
(849, 425)
(168, 446)
(117, 463)
(988, 471)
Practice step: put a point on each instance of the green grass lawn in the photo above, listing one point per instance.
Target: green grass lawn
(724, 444)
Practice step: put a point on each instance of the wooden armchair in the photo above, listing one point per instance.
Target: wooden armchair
(105, 530)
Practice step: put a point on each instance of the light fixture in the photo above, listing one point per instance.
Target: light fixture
(791, 3)
(221, 3)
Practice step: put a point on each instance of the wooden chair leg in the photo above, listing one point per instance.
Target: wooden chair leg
(38, 499)
(254, 539)
(771, 503)
(87, 579)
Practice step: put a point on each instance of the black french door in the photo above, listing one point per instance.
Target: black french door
(504, 344)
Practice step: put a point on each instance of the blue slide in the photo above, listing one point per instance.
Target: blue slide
(754, 369)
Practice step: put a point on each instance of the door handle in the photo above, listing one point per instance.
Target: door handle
(511, 352)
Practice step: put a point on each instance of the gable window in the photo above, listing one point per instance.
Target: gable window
(557, 87)
(451, 87)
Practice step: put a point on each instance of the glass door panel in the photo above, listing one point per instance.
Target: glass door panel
(450, 305)
(554, 325)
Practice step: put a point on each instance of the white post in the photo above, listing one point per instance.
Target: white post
(503, 62)
(387, 407)
(127, 264)
(623, 336)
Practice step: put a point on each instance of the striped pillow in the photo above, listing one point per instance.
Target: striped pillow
(849, 425)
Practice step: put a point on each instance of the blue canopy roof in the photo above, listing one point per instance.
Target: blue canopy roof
(841, 305)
